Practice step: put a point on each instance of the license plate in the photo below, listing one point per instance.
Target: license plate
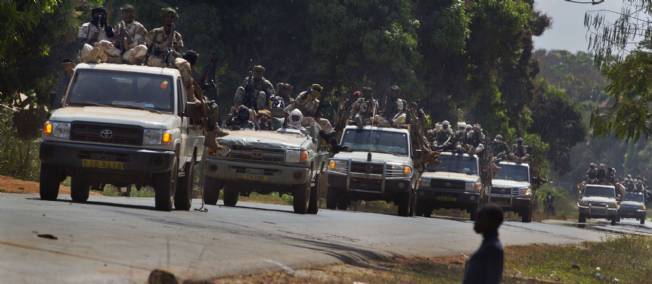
(248, 177)
(446, 198)
(99, 164)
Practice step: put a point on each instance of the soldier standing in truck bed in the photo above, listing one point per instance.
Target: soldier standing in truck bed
(164, 43)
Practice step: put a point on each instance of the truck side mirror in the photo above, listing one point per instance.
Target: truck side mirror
(193, 110)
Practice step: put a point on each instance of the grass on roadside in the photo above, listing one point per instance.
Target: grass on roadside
(617, 260)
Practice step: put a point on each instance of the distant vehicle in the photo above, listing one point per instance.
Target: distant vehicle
(453, 183)
(123, 125)
(283, 161)
(598, 201)
(375, 165)
(511, 189)
(633, 206)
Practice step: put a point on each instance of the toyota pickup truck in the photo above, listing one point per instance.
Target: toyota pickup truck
(376, 164)
(453, 183)
(123, 125)
(598, 201)
(284, 161)
(512, 189)
(633, 206)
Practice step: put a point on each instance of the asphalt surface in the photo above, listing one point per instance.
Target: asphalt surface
(120, 240)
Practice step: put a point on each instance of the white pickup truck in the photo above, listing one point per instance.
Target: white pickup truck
(512, 189)
(123, 125)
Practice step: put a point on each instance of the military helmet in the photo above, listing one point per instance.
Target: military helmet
(446, 123)
(127, 7)
(317, 88)
(499, 137)
(519, 140)
(167, 11)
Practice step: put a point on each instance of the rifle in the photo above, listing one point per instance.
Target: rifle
(207, 81)
(169, 53)
(124, 35)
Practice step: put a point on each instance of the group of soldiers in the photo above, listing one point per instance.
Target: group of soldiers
(470, 138)
(603, 174)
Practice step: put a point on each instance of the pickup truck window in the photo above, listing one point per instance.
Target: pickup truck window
(378, 141)
(122, 89)
(455, 164)
(513, 172)
(634, 196)
(600, 191)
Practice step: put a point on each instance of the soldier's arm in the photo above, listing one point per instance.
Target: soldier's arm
(179, 46)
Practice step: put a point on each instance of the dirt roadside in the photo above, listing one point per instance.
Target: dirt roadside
(13, 185)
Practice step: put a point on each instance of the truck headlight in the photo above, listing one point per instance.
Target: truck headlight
(525, 191)
(156, 137)
(612, 205)
(57, 129)
(584, 203)
(296, 156)
(338, 166)
(397, 170)
(473, 186)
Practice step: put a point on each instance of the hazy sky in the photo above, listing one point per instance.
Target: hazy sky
(567, 31)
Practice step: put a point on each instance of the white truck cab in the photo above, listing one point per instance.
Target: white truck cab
(123, 125)
(512, 189)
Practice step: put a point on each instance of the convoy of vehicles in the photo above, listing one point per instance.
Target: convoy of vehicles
(123, 125)
(511, 188)
(283, 161)
(376, 164)
(598, 201)
(453, 183)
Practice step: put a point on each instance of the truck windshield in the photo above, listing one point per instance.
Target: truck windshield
(600, 191)
(455, 164)
(634, 196)
(377, 141)
(513, 172)
(122, 89)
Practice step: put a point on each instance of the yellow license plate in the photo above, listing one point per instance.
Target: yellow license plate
(99, 164)
(249, 177)
(446, 198)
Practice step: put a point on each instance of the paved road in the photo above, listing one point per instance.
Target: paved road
(121, 239)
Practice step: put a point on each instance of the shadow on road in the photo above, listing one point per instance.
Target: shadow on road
(262, 209)
(101, 203)
(345, 253)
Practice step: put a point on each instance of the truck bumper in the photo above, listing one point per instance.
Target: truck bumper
(631, 213)
(598, 212)
(368, 185)
(75, 157)
(266, 174)
(510, 202)
(446, 198)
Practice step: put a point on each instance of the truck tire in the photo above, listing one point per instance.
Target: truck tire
(581, 219)
(164, 187)
(642, 220)
(183, 194)
(331, 198)
(79, 188)
(421, 209)
(313, 203)
(301, 198)
(211, 191)
(613, 221)
(231, 196)
(49, 182)
(526, 215)
(473, 212)
(404, 200)
(413, 204)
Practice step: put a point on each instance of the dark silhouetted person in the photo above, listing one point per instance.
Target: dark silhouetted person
(486, 264)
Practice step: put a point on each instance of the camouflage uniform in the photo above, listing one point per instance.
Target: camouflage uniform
(131, 38)
(308, 103)
(158, 42)
(256, 92)
(96, 38)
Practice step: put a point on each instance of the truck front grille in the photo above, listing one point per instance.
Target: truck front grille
(254, 154)
(447, 184)
(502, 190)
(367, 168)
(366, 184)
(106, 133)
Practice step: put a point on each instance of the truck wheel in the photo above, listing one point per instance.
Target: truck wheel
(404, 199)
(313, 204)
(581, 219)
(526, 215)
(473, 212)
(79, 188)
(301, 197)
(613, 221)
(231, 196)
(331, 198)
(421, 209)
(643, 220)
(183, 194)
(49, 182)
(413, 204)
(211, 191)
(164, 187)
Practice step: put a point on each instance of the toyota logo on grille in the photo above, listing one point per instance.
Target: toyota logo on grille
(106, 134)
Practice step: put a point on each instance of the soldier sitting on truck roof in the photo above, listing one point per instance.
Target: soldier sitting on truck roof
(395, 106)
(241, 118)
(499, 148)
(255, 92)
(308, 103)
(365, 108)
(164, 43)
(96, 39)
(475, 139)
(131, 36)
(444, 137)
(602, 173)
(519, 151)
